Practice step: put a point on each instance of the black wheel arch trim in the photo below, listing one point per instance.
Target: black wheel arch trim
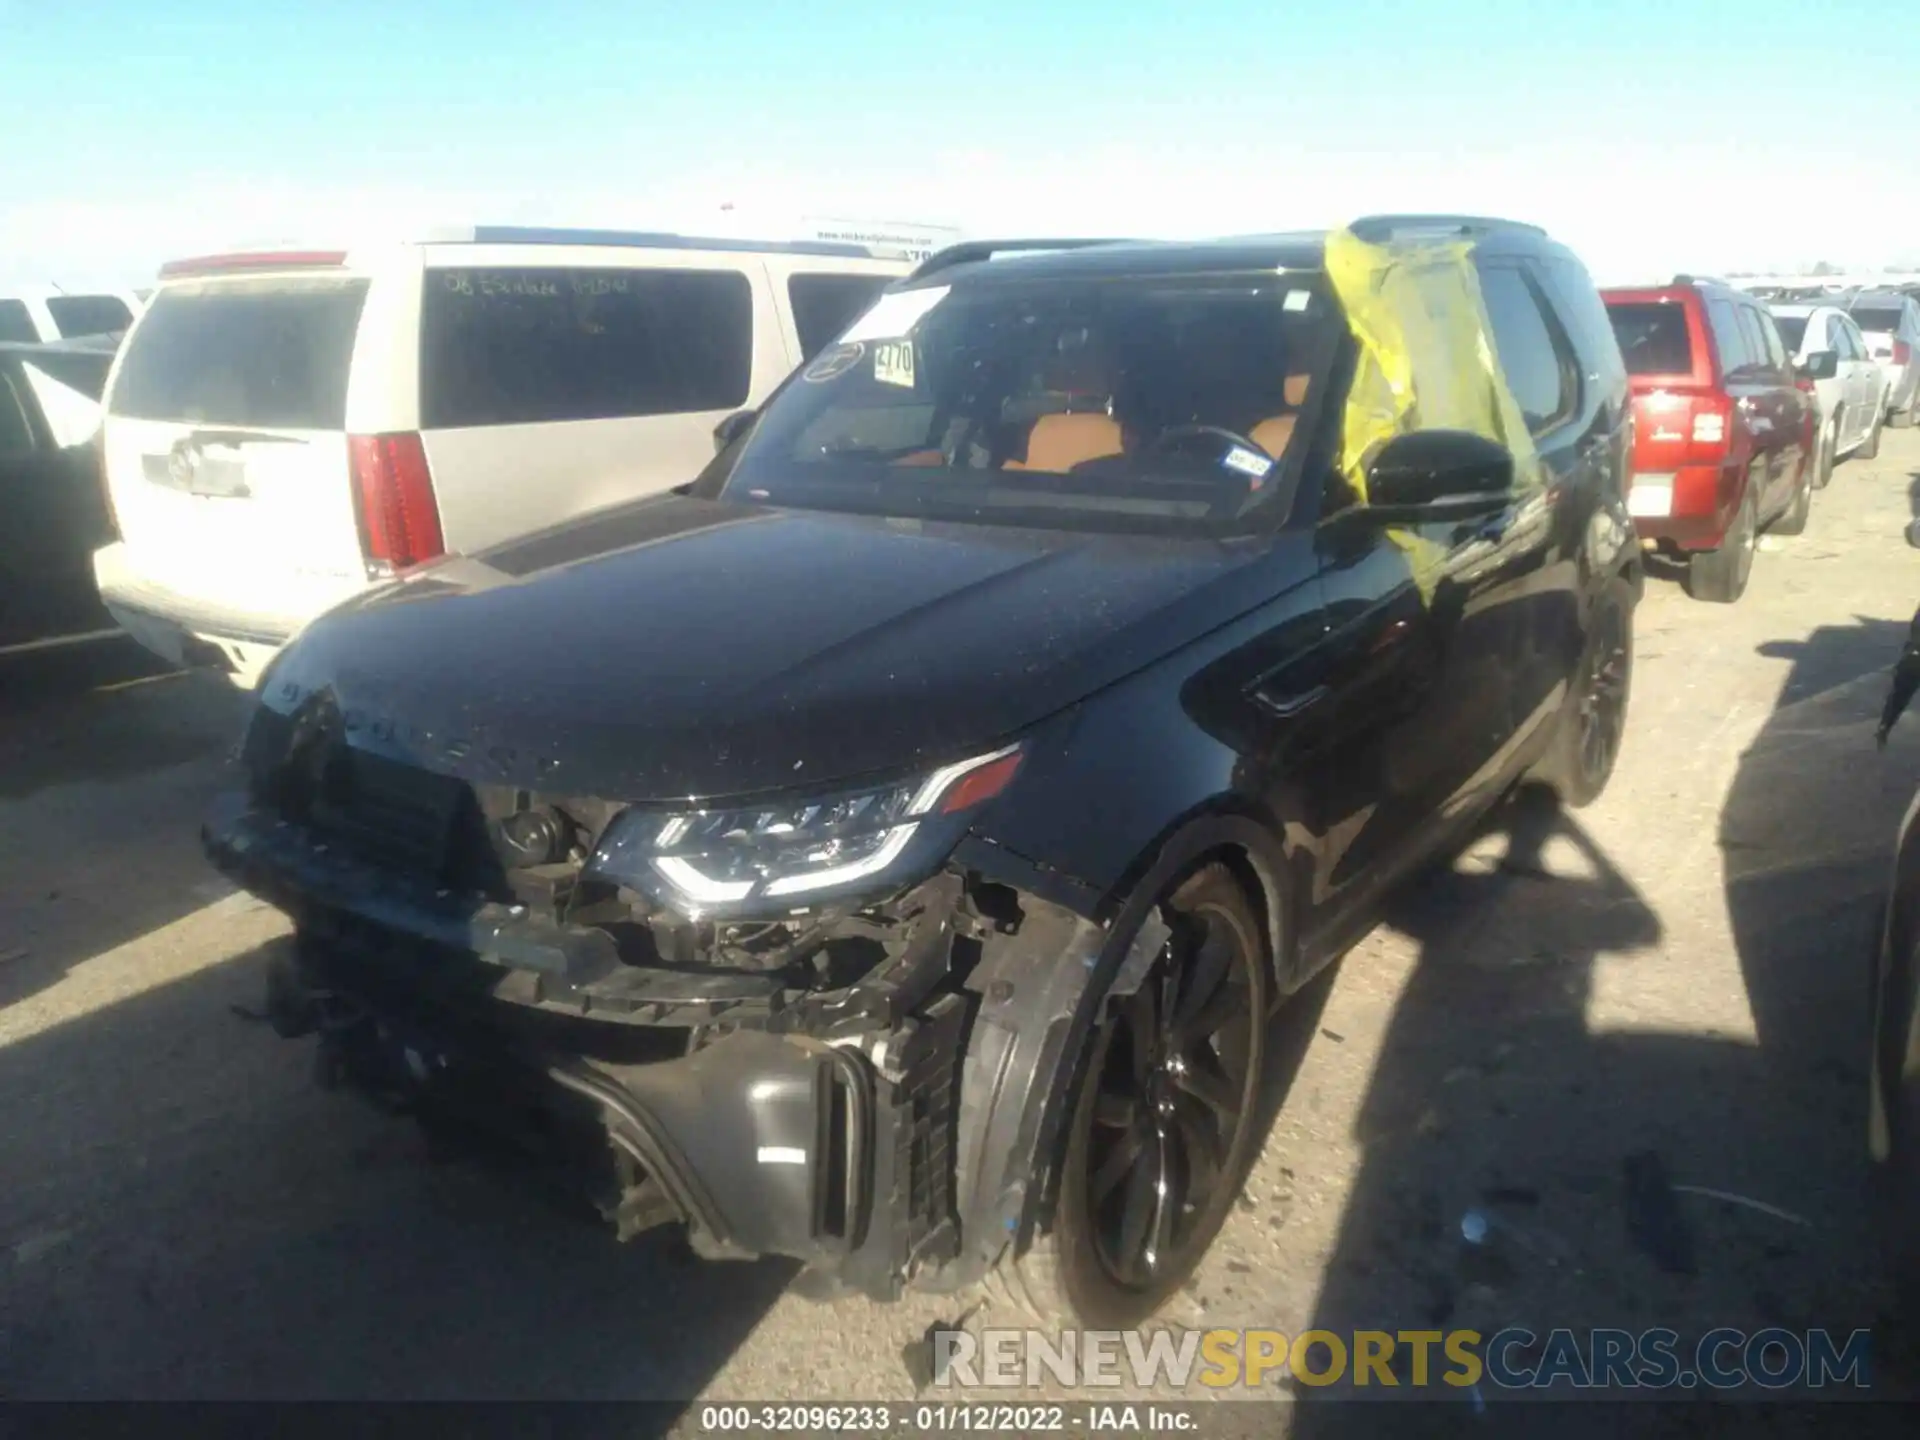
(1028, 1040)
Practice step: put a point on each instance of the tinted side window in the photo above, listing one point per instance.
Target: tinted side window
(1770, 345)
(16, 323)
(520, 346)
(1537, 370)
(16, 434)
(1586, 319)
(1729, 340)
(824, 305)
(89, 314)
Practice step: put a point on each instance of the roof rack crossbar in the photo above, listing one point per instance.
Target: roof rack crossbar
(967, 251)
(1385, 226)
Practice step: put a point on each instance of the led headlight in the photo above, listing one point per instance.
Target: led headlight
(788, 854)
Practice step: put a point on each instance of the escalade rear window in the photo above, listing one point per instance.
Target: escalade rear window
(1653, 338)
(244, 353)
(522, 346)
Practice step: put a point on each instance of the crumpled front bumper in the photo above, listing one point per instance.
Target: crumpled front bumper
(881, 1134)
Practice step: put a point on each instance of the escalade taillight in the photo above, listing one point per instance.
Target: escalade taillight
(393, 497)
(1902, 352)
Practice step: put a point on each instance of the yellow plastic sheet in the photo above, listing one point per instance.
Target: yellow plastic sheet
(1426, 361)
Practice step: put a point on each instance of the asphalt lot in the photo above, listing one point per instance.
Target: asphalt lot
(1678, 970)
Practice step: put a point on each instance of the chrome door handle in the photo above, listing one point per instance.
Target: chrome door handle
(1286, 707)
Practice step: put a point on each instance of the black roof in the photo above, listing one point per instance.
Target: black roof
(1295, 250)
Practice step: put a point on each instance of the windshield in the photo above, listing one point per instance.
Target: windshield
(1106, 402)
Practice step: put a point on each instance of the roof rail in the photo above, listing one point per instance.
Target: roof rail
(1384, 227)
(968, 251)
(667, 240)
(1701, 280)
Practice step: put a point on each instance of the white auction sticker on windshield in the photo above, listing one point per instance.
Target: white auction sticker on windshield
(895, 314)
(1246, 462)
(893, 363)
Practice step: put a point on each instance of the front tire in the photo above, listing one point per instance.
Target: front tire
(1902, 419)
(1720, 576)
(1164, 1123)
(1587, 733)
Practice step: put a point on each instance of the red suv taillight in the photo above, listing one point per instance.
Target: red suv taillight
(1710, 429)
(1902, 352)
(393, 493)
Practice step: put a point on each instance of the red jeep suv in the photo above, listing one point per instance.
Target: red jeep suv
(1723, 427)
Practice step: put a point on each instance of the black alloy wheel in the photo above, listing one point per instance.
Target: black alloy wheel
(1602, 707)
(1592, 723)
(1165, 1122)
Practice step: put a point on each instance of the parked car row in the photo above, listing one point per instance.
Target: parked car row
(1743, 409)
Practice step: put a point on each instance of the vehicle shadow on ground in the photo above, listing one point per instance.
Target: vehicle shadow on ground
(188, 1216)
(101, 795)
(1522, 1169)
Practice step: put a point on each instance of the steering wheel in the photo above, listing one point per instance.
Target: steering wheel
(1168, 437)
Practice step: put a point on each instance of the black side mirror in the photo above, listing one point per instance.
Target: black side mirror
(1427, 468)
(732, 428)
(1913, 533)
(1820, 365)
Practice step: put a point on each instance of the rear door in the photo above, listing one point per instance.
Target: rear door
(1860, 381)
(226, 444)
(558, 379)
(1742, 358)
(1791, 407)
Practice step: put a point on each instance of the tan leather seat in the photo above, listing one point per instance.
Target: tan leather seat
(1057, 443)
(1273, 433)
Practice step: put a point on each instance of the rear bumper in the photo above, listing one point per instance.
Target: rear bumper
(187, 630)
(884, 1134)
(1690, 507)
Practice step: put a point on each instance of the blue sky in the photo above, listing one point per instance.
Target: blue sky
(1650, 135)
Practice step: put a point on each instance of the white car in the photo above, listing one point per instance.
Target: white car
(283, 430)
(1852, 396)
(1890, 322)
(49, 314)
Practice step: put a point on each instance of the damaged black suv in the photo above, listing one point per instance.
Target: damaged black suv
(887, 850)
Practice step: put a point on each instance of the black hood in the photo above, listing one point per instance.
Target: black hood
(684, 647)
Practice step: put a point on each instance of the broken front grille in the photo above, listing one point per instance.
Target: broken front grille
(394, 815)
